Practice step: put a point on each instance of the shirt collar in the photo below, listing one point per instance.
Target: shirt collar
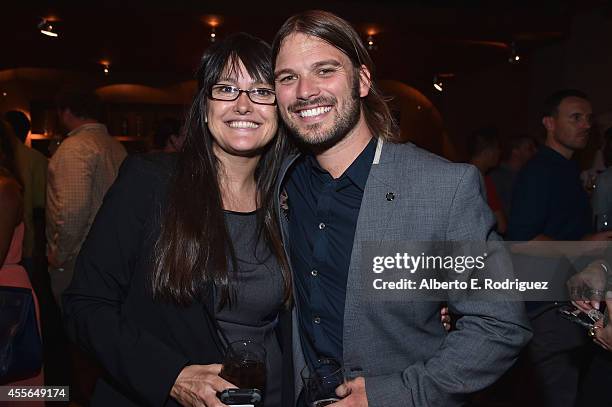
(552, 154)
(357, 172)
(89, 126)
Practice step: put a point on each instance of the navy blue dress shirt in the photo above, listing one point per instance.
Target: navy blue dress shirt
(549, 199)
(323, 214)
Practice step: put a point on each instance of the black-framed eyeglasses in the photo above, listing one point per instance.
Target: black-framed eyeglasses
(227, 93)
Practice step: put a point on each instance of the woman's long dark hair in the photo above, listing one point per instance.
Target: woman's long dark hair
(194, 245)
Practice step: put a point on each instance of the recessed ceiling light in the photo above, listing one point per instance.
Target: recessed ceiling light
(47, 28)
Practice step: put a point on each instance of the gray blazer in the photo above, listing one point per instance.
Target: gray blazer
(404, 353)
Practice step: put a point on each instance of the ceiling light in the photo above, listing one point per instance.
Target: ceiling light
(47, 28)
(514, 57)
(437, 84)
(212, 21)
(371, 43)
(105, 67)
(439, 78)
(371, 32)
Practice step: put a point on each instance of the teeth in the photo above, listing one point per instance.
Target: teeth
(243, 125)
(314, 112)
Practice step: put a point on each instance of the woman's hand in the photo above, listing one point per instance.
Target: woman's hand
(587, 287)
(603, 328)
(197, 386)
(445, 318)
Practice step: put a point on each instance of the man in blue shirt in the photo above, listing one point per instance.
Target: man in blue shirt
(321, 239)
(354, 185)
(549, 203)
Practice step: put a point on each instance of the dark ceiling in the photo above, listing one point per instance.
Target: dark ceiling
(143, 40)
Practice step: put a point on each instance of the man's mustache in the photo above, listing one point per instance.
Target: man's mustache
(318, 101)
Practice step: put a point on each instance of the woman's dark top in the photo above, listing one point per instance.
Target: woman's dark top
(259, 296)
(142, 344)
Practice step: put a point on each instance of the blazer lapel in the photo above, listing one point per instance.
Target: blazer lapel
(378, 209)
(380, 199)
(282, 206)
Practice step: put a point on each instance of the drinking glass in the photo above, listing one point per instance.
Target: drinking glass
(244, 365)
(321, 382)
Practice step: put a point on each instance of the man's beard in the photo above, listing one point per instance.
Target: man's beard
(313, 137)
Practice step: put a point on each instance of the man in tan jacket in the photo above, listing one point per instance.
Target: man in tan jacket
(80, 172)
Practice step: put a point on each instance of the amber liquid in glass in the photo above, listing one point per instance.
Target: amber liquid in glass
(245, 374)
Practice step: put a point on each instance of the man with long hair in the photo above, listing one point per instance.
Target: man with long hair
(351, 185)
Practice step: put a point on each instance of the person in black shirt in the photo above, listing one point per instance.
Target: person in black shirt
(549, 203)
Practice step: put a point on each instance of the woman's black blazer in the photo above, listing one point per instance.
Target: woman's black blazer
(141, 344)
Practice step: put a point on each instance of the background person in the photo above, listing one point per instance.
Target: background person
(168, 136)
(549, 204)
(516, 152)
(602, 194)
(484, 150)
(11, 237)
(32, 169)
(80, 172)
(603, 327)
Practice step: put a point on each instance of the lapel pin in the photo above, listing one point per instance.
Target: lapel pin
(390, 196)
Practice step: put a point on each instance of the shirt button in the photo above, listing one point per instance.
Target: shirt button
(314, 273)
(321, 225)
(317, 320)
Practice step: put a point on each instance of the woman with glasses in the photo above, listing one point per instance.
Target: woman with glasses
(185, 255)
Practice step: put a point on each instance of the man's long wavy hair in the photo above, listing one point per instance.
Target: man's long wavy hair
(340, 34)
(194, 248)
